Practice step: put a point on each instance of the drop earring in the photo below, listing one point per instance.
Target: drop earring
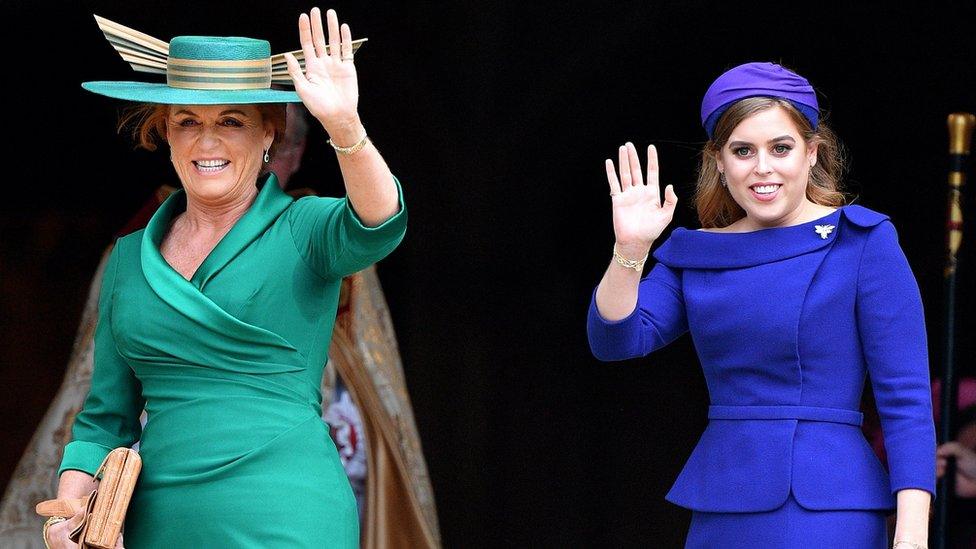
(266, 157)
(721, 178)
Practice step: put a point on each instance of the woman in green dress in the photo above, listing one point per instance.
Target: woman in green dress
(216, 317)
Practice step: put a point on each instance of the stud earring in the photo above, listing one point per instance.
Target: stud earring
(266, 157)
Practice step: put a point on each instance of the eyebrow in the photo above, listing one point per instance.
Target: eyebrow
(773, 140)
(230, 111)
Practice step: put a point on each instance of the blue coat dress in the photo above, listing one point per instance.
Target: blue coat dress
(787, 323)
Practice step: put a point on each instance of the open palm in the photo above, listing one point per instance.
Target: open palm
(329, 87)
(639, 218)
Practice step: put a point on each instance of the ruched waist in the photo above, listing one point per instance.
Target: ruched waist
(806, 413)
(167, 384)
(199, 436)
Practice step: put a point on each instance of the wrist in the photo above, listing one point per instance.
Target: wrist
(345, 132)
(632, 263)
(633, 250)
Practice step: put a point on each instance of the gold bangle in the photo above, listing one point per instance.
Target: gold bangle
(350, 150)
(50, 521)
(635, 264)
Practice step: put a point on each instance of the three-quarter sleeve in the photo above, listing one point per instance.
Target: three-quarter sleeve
(332, 239)
(891, 326)
(658, 319)
(110, 416)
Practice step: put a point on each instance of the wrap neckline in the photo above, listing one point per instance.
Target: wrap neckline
(269, 203)
(241, 346)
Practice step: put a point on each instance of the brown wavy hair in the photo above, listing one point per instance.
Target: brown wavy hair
(716, 207)
(147, 122)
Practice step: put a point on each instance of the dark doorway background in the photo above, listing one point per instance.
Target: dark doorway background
(497, 117)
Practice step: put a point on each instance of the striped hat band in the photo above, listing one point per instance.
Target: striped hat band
(218, 63)
(196, 74)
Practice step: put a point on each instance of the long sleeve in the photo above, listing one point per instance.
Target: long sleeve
(334, 241)
(891, 326)
(658, 319)
(110, 416)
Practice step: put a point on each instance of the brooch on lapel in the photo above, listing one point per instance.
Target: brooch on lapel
(824, 230)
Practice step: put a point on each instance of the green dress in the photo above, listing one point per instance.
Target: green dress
(228, 366)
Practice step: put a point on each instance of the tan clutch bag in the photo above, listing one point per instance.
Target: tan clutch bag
(105, 507)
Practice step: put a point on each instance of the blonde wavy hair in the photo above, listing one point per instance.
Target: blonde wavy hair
(715, 205)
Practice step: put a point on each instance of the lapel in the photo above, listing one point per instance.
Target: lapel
(270, 202)
(187, 296)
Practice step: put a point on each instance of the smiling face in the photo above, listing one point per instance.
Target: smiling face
(767, 163)
(217, 150)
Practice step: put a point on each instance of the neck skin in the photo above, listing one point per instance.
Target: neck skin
(215, 217)
(807, 211)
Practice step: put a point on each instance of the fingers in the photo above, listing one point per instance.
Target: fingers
(295, 71)
(346, 50)
(652, 175)
(318, 33)
(670, 197)
(333, 21)
(635, 168)
(949, 449)
(623, 161)
(612, 178)
(58, 533)
(305, 37)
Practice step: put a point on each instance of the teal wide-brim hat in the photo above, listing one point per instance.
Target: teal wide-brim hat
(200, 70)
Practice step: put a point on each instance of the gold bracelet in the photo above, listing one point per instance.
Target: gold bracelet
(637, 265)
(350, 150)
(52, 520)
(912, 543)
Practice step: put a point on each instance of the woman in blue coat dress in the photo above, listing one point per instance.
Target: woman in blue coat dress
(792, 298)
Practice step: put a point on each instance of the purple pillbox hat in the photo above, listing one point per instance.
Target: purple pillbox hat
(758, 80)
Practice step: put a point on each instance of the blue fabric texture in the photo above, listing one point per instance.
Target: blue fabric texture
(789, 526)
(787, 325)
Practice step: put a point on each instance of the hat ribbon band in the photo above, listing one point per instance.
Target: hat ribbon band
(218, 74)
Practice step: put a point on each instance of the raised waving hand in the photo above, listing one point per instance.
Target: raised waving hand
(329, 87)
(639, 217)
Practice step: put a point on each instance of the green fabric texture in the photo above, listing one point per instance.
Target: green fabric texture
(228, 48)
(161, 93)
(228, 366)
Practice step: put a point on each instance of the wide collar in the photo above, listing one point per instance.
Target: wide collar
(269, 203)
(235, 345)
(689, 248)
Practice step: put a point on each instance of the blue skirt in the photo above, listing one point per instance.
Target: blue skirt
(788, 527)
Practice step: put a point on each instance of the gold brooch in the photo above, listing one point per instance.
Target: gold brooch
(824, 230)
